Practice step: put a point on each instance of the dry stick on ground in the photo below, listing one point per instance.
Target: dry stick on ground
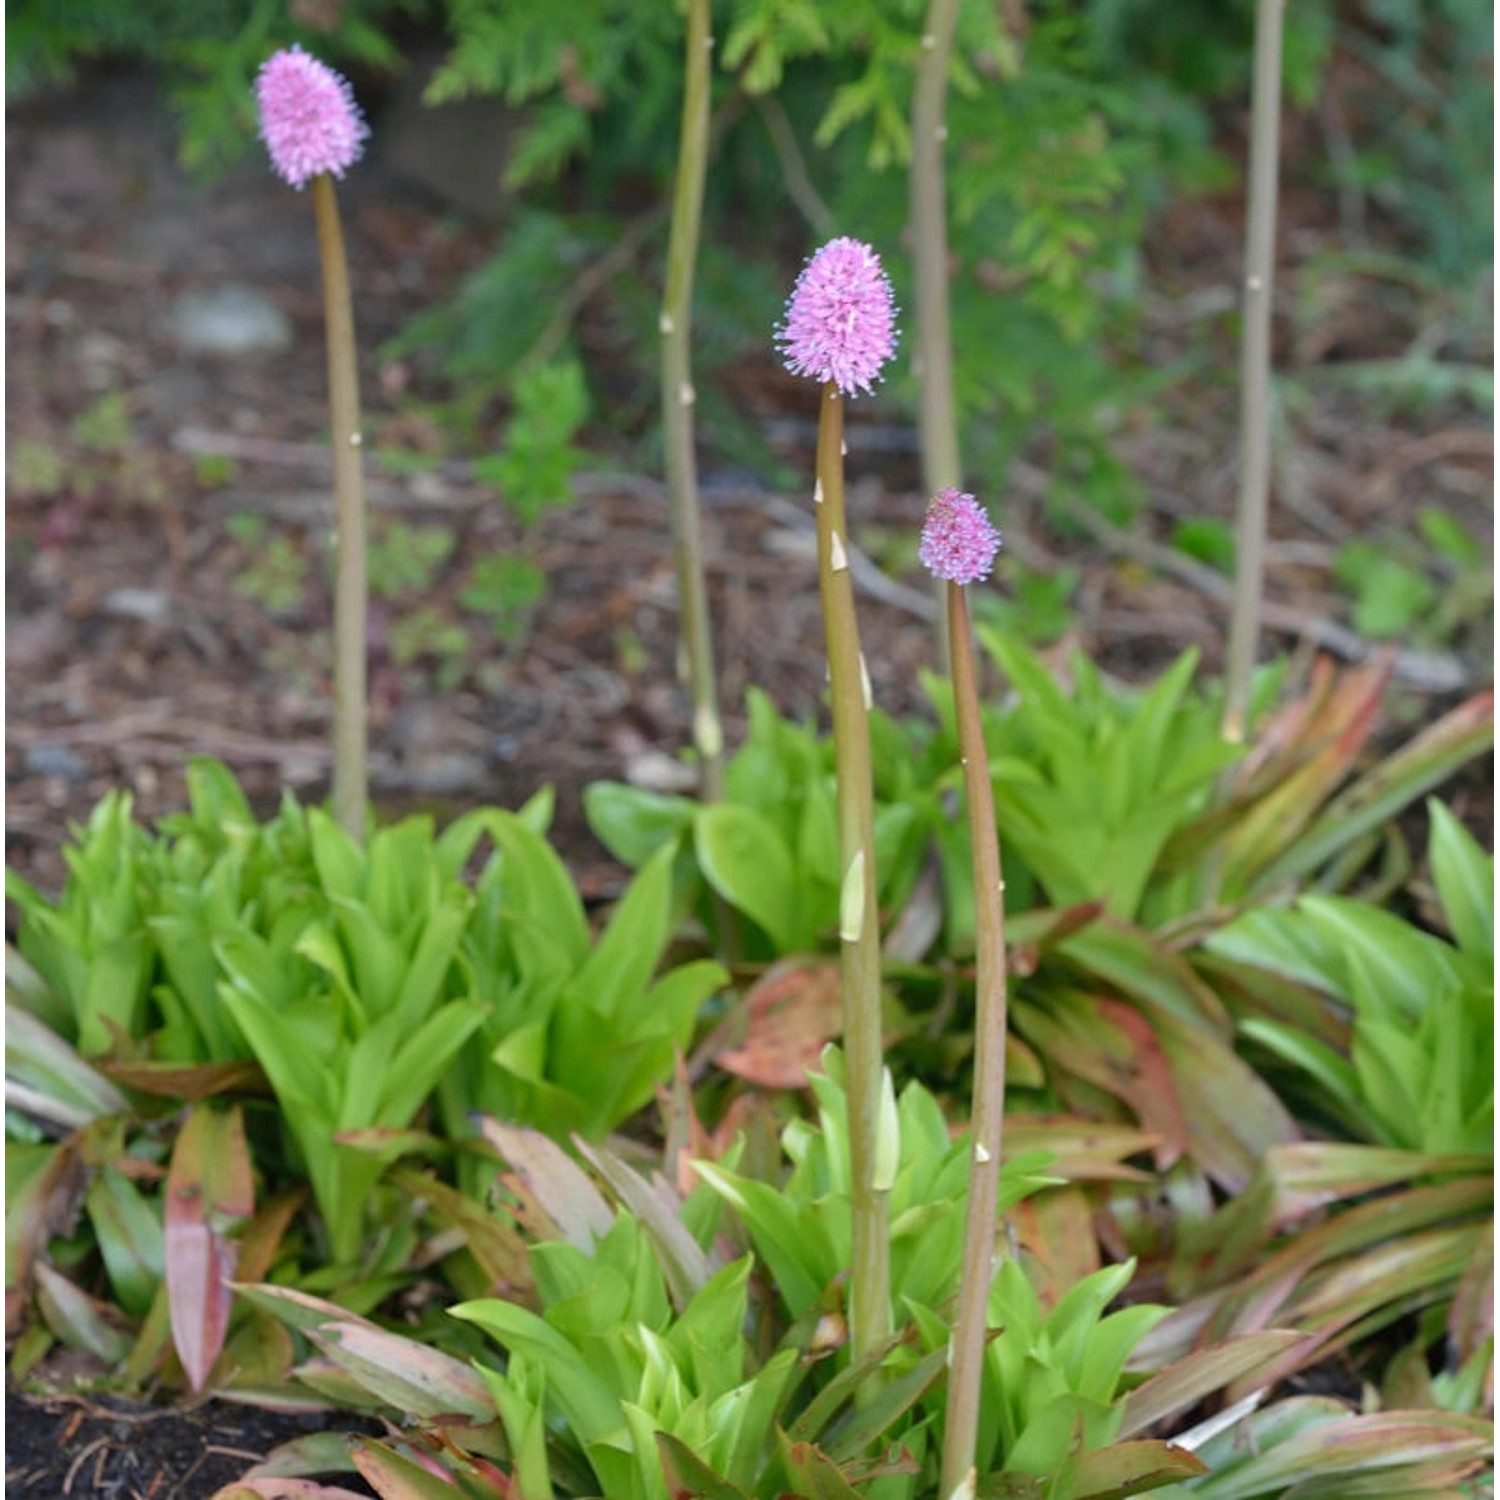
(1255, 371)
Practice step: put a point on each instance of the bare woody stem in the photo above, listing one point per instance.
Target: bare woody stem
(964, 1378)
(942, 466)
(349, 588)
(677, 399)
(859, 919)
(1255, 370)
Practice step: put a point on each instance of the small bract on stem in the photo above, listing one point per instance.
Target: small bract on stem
(840, 329)
(314, 133)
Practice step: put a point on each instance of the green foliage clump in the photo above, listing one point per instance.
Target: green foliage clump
(361, 982)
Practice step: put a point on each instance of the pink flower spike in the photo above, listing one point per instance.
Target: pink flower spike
(841, 319)
(958, 541)
(308, 117)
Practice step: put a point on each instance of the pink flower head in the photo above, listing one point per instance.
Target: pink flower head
(841, 320)
(958, 542)
(308, 117)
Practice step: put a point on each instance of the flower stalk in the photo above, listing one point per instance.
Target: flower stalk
(840, 331)
(859, 924)
(959, 545)
(314, 132)
(1255, 371)
(677, 402)
(350, 585)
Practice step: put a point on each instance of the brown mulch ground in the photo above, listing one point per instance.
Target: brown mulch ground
(130, 648)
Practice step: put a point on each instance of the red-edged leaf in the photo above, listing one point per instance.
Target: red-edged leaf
(209, 1192)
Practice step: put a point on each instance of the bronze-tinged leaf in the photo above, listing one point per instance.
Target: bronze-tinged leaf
(1396, 782)
(190, 1081)
(813, 1473)
(1083, 1150)
(1056, 1228)
(210, 1192)
(46, 1205)
(1184, 1383)
(1233, 1118)
(658, 1206)
(496, 1244)
(263, 1234)
(1125, 1469)
(413, 1378)
(287, 1489)
(394, 1476)
(1112, 1046)
(795, 1008)
(688, 1477)
(1471, 1319)
(80, 1321)
(554, 1186)
(1320, 752)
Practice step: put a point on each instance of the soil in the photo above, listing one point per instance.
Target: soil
(103, 1446)
(131, 643)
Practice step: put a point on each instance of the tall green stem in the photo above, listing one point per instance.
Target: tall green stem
(859, 916)
(677, 399)
(965, 1376)
(1255, 370)
(942, 467)
(349, 588)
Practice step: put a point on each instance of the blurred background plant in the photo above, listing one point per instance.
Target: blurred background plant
(1074, 124)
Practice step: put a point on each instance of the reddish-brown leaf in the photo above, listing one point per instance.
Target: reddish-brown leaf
(189, 1081)
(209, 1193)
(795, 1008)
